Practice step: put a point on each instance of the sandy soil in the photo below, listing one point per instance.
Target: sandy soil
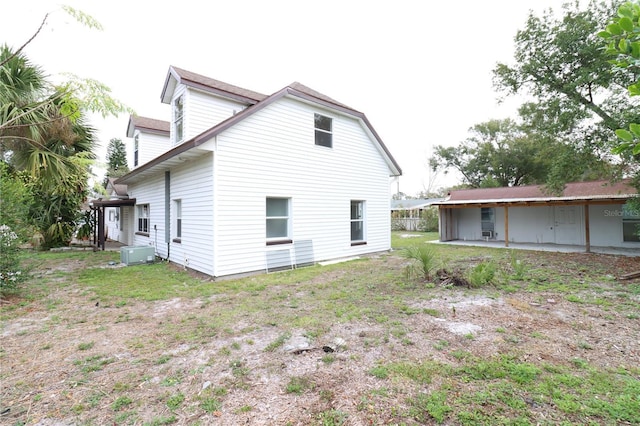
(48, 380)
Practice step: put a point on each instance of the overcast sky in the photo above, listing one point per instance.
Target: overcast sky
(419, 70)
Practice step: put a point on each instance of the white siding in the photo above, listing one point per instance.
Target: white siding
(149, 147)
(469, 227)
(526, 224)
(539, 225)
(151, 192)
(606, 227)
(192, 183)
(205, 111)
(272, 154)
(202, 111)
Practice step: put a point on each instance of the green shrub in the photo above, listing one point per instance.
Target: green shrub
(424, 261)
(11, 275)
(428, 220)
(482, 274)
(518, 267)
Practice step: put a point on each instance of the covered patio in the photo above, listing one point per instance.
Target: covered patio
(97, 210)
(587, 216)
(559, 248)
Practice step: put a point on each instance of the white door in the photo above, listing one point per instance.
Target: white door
(127, 225)
(568, 225)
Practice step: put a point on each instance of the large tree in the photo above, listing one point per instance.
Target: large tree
(506, 153)
(623, 45)
(577, 96)
(116, 160)
(44, 134)
(56, 157)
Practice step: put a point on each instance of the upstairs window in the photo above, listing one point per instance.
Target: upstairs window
(278, 221)
(136, 143)
(143, 218)
(357, 223)
(323, 129)
(178, 118)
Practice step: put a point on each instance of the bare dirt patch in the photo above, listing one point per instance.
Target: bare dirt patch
(70, 359)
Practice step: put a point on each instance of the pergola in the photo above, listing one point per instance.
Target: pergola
(97, 208)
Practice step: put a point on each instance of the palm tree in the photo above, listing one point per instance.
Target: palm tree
(38, 131)
(42, 135)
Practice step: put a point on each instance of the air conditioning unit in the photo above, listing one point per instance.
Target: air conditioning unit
(137, 255)
(487, 234)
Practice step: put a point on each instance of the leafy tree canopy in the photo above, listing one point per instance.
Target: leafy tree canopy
(45, 139)
(505, 153)
(623, 46)
(577, 96)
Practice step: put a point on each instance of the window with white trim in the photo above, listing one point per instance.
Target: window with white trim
(178, 118)
(278, 220)
(142, 213)
(323, 130)
(178, 214)
(630, 224)
(136, 143)
(357, 222)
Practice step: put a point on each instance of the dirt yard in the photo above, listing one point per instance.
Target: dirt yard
(69, 359)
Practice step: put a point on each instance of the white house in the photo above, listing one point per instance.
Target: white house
(585, 214)
(150, 139)
(255, 183)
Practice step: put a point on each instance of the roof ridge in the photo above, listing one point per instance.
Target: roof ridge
(218, 84)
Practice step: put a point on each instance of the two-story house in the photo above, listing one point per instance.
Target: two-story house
(255, 182)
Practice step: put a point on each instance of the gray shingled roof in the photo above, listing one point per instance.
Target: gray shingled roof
(592, 190)
(150, 123)
(309, 91)
(187, 77)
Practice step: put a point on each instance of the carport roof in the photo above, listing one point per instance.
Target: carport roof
(573, 193)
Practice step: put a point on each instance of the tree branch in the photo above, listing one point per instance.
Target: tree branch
(17, 52)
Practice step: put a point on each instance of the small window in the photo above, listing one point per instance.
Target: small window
(357, 223)
(178, 208)
(278, 221)
(323, 129)
(143, 218)
(487, 222)
(178, 116)
(136, 142)
(112, 216)
(630, 224)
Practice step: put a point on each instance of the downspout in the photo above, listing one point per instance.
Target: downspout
(167, 211)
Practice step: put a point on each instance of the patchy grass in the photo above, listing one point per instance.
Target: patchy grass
(555, 338)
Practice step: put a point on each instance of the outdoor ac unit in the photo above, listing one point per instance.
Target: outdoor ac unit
(487, 234)
(136, 255)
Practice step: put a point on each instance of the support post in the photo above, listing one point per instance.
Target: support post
(101, 237)
(587, 235)
(506, 226)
